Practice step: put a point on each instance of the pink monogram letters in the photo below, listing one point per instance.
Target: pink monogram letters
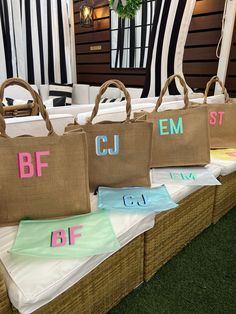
(58, 237)
(231, 154)
(216, 117)
(26, 167)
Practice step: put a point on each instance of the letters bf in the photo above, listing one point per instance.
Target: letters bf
(100, 140)
(58, 237)
(26, 167)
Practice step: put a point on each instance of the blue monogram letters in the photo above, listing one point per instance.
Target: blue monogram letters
(107, 151)
(131, 201)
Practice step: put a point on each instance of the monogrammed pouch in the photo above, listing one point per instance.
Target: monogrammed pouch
(135, 200)
(77, 236)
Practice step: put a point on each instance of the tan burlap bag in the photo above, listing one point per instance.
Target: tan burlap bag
(222, 119)
(119, 152)
(41, 177)
(180, 137)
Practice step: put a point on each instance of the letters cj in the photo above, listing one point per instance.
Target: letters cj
(133, 201)
(102, 148)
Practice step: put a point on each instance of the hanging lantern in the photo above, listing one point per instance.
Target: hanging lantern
(86, 14)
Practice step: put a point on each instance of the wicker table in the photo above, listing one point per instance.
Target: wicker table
(5, 306)
(225, 197)
(101, 289)
(117, 276)
(177, 227)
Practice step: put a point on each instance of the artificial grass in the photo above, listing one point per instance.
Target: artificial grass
(201, 279)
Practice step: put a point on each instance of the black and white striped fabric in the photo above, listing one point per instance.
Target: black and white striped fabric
(129, 37)
(35, 41)
(108, 100)
(55, 102)
(13, 102)
(166, 45)
(58, 90)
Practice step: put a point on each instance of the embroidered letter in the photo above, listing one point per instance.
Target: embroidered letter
(131, 201)
(58, 235)
(144, 201)
(162, 127)
(178, 128)
(101, 139)
(173, 128)
(174, 176)
(183, 176)
(115, 151)
(189, 176)
(72, 235)
(213, 117)
(111, 151)
(39, 164)
(25, 166)
(128, 200)
(220, 113)
(231, 154)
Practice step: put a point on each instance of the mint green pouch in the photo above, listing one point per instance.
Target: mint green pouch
(73, 237)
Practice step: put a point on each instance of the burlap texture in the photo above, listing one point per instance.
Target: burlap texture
(59, 188)
(222, 119)
(130, 167)
(180, 137)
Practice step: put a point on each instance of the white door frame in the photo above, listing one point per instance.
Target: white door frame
(228, 30)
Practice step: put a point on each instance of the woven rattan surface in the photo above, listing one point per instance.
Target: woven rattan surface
(175, 228)
(13, 112)
(225, 197)
(105, 286)
(5, 306)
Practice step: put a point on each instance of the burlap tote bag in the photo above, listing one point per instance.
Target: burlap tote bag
(119, 152)
(180, 137)
(41, 177)
(222, 119)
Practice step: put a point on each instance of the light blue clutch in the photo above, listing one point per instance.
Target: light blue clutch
(135, 199)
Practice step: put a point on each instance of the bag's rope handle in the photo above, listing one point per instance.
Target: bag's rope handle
(164, 90)
(102, 90)
(215, 79)
(218, 48)
(37, 102)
